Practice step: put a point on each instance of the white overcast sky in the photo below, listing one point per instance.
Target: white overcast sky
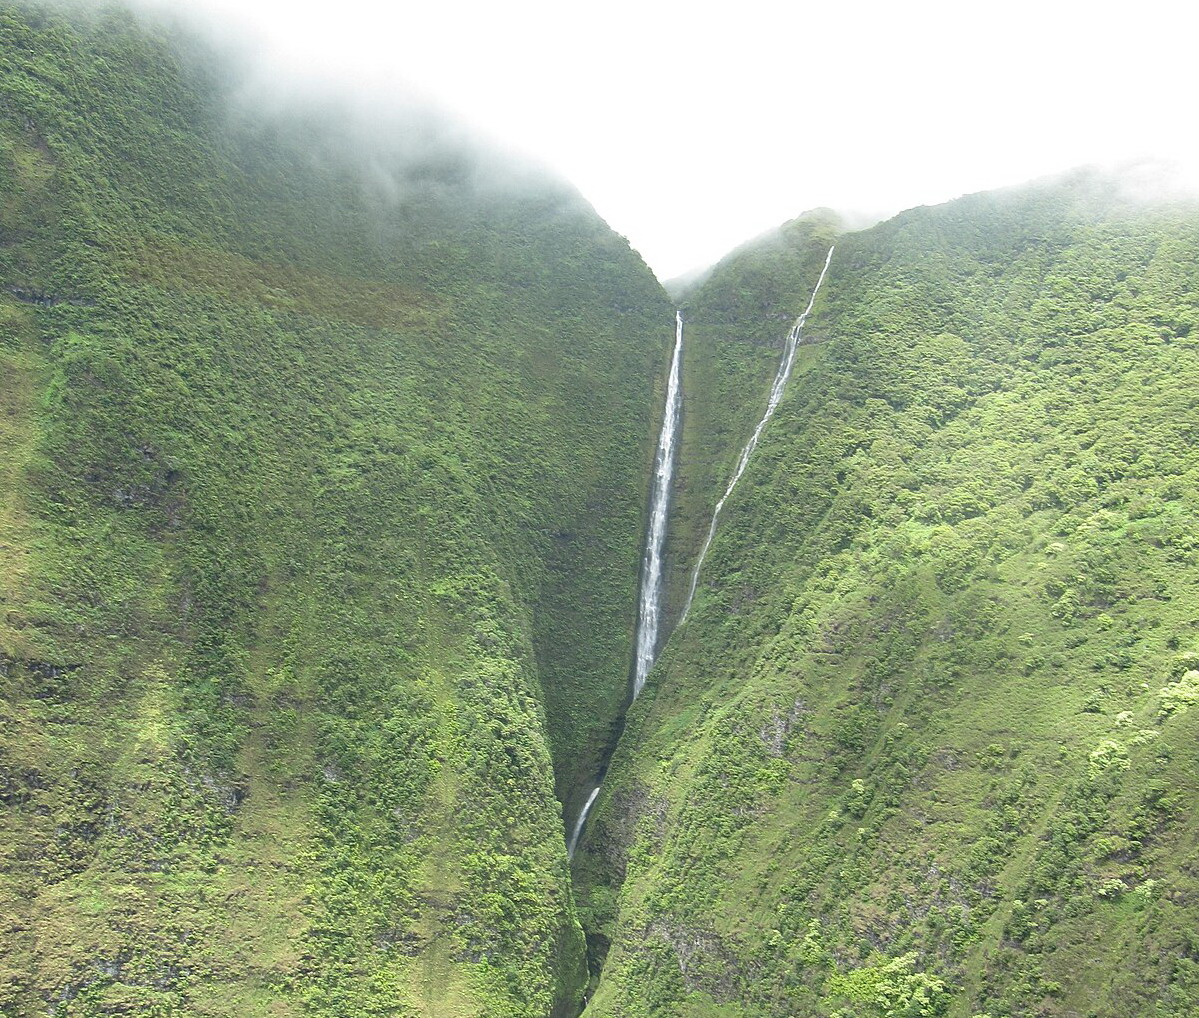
(694, 126)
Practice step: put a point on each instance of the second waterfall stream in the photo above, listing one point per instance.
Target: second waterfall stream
(776, 394)
(649, 601)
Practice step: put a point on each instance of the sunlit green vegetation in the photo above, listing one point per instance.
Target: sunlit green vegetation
(322, 474)
(324, 446)
(925, 745)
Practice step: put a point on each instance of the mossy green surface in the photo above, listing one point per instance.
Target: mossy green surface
(925, 745)
(323, 460)
(324, 444)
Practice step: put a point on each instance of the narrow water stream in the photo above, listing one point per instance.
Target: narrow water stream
(649, 599)
(649, 603)
(776, 394)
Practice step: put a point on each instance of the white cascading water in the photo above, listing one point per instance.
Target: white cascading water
(574, 837)
(649, 608)
(776, 394)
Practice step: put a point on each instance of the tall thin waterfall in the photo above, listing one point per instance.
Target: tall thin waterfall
(649, 610)
(776, 394)
(574, 835)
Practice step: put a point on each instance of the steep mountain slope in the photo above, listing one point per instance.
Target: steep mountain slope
(927, 743)
(734, 327)
(324, 444)
(322, 461)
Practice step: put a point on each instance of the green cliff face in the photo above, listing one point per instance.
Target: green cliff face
(926, 744)
(322, 460)
(324, 449)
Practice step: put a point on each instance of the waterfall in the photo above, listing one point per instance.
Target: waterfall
(649, 609)
(574, 837)
(649, 606)
(776, 394)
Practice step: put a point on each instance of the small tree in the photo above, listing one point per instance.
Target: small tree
(888, 988)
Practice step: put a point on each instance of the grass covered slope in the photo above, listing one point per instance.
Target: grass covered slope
(927, 744)
(322, 458)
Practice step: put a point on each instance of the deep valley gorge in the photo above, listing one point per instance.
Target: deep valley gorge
(339, 456)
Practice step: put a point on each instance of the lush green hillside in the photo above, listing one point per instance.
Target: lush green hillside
(324, 443)
(322, 460)
(927, 744)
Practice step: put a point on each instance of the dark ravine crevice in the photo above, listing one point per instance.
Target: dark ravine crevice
(649, 638)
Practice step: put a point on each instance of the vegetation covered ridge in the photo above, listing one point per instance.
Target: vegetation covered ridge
(324, 451)
(322, 464)
(927, 743)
